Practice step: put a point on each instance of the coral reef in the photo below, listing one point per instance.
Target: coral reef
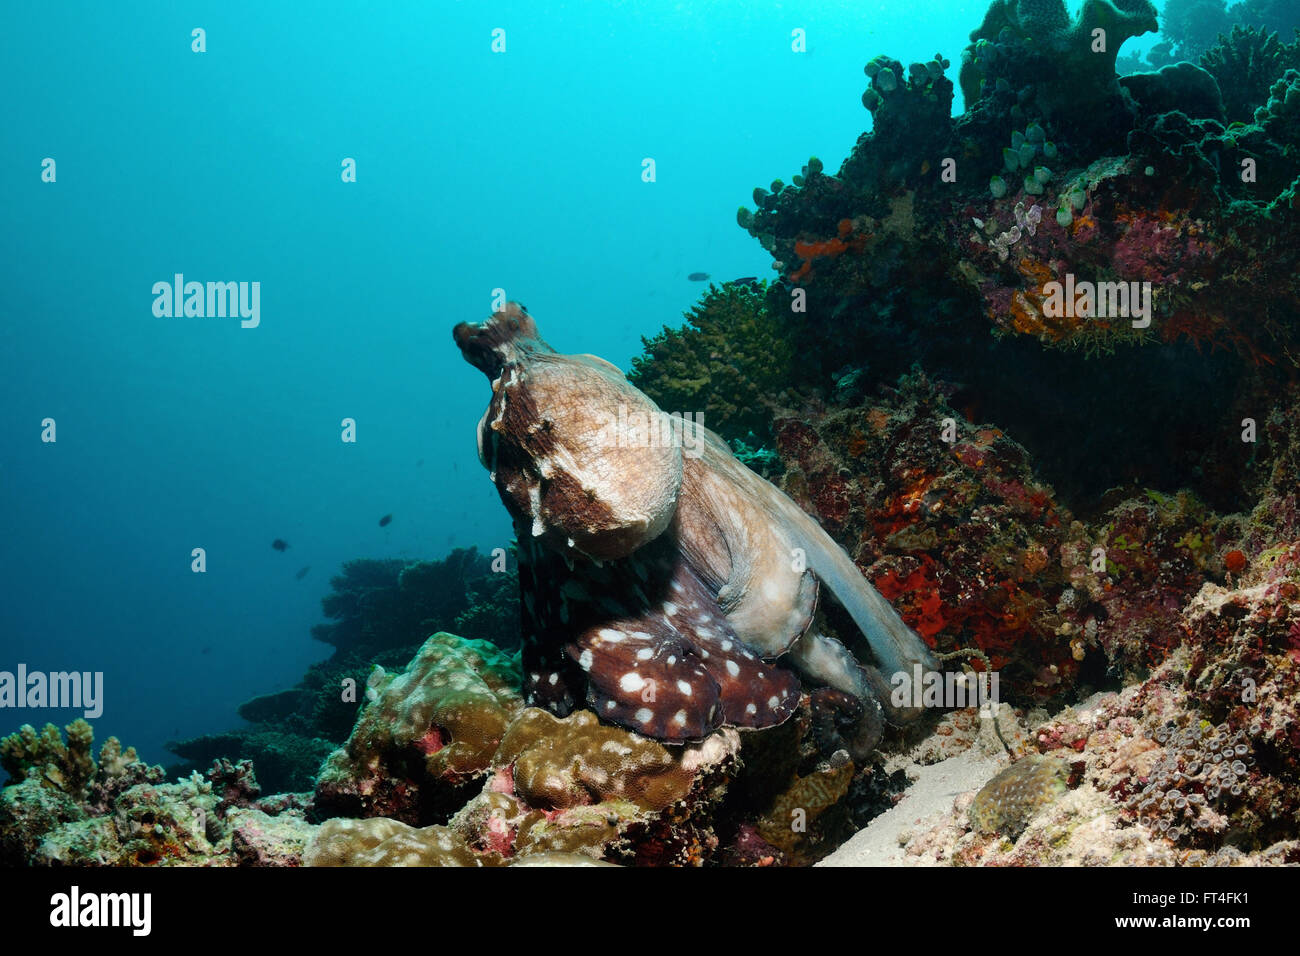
(288, 762)
(949, 242)
(1044, 422)
(956, 531)
(1195, 765)
(377, 605)
(69, 810)
(574, 785)
(523, 782)
(725, 365)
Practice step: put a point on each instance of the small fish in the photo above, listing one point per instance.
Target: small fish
(302, 572)
(745, 280)
(279, 544)
(698, 276)
(385, 521)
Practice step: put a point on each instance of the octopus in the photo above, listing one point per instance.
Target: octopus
(664, 584)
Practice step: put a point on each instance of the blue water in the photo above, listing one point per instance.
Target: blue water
(475, 171)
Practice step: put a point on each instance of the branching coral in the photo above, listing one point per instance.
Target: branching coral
(1280, 116)
(1246, 63)
(1282, 16)
(122, 814)
(68, 767)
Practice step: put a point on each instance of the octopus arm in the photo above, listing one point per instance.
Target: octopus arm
(897, 648)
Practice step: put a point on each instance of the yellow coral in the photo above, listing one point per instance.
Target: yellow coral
(787, 825)
(577, 760)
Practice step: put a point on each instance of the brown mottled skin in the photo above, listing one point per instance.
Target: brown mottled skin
(683, 572)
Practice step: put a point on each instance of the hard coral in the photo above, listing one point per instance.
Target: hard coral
(383, 842)
(726, 363)
(68, 767)
(575, 761)
(1246, 63)
(426, 735)
(790, 824)
(1080, 64)
(544, 784)
(1008, 801)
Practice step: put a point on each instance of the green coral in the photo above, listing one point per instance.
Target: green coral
(726, 363)
(1044, 26)
(1246, 63)
(1280, 116)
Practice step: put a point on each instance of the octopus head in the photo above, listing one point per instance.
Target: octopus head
(561, 440)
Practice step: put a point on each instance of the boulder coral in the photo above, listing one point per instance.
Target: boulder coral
(426, 734)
